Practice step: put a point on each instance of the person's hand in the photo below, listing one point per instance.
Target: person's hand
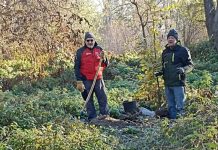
(102, 54)
(80, 86)
(180, 70)
(158, 73)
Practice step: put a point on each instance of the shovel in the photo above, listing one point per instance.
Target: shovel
(82, 112)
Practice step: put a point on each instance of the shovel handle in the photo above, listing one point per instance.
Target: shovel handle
(158, 90)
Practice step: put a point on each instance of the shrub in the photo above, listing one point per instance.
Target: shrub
(70, 135)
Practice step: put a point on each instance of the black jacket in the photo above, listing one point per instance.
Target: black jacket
(173, 58)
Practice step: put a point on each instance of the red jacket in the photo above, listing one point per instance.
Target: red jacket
(87, 61)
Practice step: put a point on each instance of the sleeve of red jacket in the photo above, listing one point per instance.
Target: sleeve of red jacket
(77, 62)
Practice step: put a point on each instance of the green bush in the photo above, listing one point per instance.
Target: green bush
(35, 110)
(126, 66)
(200, 79)
(71, 135)
(198, 130)
(205, 56)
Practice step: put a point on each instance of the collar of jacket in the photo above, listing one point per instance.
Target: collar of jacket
(178, 43)
(174, 48)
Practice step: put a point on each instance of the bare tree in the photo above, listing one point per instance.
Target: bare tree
(143, 21)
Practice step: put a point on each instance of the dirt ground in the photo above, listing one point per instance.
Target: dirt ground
(123, 121)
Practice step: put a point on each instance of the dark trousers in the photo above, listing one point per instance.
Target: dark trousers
(99, 91)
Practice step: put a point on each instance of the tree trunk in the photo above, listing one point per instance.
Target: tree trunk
(209, 14)
(215, 27)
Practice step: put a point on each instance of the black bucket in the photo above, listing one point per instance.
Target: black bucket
(130, 106)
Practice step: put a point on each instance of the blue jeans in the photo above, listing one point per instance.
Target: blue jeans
(99, 91)
(175, 99)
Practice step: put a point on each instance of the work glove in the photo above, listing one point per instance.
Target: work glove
(102, 54)
(158, 73)
(180, 70)
(80, 86)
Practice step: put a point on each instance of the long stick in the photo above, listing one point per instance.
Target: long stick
(158, 93)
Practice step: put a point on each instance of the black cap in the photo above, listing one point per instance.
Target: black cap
(89, 35)
(173, 33)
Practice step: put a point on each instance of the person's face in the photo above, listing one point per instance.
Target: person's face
(171, 40)
(90, 42)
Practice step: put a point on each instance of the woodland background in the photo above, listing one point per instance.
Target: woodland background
(39, 107)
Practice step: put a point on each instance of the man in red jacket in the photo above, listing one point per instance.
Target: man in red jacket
(86, 65)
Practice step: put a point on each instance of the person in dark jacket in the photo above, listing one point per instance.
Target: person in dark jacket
(87, 60)
(176, 62)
